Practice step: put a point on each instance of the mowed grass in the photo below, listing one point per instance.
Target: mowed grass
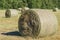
(9, 28)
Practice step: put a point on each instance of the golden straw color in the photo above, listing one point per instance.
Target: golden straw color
(11, 12)
(37, 23)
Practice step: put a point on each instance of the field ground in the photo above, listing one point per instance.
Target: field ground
(9, 29)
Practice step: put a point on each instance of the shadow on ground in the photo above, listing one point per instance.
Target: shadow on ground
(13, 33)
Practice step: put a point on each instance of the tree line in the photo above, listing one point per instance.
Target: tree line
(43, 4)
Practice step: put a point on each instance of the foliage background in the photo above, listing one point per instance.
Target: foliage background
(44, 4)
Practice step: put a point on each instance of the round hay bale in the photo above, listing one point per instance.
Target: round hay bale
(37, 23)
(55, 9)
(26, 8)
(21, 10)
(11, 12)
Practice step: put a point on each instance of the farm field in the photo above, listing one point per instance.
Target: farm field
(9, 28)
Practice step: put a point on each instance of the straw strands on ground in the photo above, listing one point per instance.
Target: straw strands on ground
(37, 23)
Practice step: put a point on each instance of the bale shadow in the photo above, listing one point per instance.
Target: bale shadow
(13, 33)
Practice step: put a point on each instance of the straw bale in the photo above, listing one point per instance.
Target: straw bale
(37, 23)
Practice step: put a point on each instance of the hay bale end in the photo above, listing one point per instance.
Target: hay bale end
(37, 23)
(11, 12)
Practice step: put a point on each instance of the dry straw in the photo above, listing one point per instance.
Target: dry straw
(11, 12)
(37, 23)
